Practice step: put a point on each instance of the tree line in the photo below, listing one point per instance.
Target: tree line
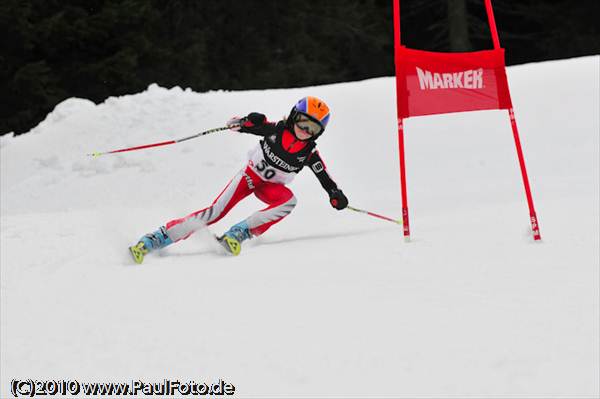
(56, 49)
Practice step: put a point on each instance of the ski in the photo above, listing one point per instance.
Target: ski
(231, 245)
(138, 251)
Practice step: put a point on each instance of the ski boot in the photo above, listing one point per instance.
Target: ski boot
(232, 239)
(150, 242)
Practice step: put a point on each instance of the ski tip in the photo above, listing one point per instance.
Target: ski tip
(138, 252)
(231, 245)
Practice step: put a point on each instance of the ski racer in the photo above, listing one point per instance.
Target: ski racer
(284, 149)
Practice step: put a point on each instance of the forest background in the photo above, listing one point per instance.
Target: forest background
(55, 49)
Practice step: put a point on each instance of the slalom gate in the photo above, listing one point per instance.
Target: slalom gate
(429, 83)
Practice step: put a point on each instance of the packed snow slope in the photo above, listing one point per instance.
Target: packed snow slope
(326, 303)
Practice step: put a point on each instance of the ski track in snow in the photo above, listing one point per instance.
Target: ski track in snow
(326, 303)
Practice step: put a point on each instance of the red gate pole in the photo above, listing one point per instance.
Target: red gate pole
(405, 223)
(492, 23)
(535, 228)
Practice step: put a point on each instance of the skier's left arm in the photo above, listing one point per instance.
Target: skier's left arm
(337, 199)
(254, 123)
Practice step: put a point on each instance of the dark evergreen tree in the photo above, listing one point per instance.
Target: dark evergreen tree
(55, 49)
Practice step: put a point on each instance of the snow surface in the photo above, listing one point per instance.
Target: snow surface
(326, 303)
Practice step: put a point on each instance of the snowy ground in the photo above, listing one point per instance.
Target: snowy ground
(326, 303)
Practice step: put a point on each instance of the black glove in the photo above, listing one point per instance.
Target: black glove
(252, 120)
(256, 119)
(337, 199)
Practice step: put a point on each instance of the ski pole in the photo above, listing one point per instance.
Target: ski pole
(397, 221)
(141, 147)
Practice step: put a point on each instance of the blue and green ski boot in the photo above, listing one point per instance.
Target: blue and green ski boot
(150, 242)
(233, 238)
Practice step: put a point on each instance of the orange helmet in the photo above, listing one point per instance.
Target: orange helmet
(312, 114)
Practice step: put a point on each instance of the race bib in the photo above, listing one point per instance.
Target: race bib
(266, 172)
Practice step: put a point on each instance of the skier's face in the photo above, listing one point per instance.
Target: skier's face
(300, 133)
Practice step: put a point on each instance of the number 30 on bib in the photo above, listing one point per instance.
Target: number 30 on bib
(264, 170)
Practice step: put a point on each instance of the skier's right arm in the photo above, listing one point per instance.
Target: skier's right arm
(253, 123)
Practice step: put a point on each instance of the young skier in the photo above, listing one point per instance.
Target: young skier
(285, 148)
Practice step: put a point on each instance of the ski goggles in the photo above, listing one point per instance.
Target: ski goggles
(308, 124)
